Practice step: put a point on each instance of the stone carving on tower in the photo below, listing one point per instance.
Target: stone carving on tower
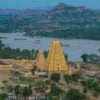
(56, 61)
(40, 60)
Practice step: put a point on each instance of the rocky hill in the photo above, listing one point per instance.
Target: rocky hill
(61, 21)
(63, 13)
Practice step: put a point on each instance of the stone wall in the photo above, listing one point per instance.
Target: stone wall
(6, 68)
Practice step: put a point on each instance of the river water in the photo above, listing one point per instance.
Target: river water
(73, 47)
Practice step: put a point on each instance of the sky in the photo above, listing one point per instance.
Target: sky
(21, 4)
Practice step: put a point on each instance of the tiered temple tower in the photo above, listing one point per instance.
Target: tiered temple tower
(41, 60)
(56, 61)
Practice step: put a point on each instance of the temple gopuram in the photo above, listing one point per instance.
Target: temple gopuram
(40, 61)
(55, 61)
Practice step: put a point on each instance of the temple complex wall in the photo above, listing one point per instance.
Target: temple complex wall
(26, 63)
(6, 68)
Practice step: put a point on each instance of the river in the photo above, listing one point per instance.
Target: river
(73, 47)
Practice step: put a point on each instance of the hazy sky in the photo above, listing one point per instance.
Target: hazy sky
(19, 4)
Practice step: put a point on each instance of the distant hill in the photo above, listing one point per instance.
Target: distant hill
(61, 21)
(65, 14)
(23, 12)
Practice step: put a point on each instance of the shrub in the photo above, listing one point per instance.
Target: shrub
(67, 78)
(55, 77)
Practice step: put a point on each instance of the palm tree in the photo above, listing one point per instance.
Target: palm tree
(29, 90)
(25, 92)
(17, 91)
(3, 96)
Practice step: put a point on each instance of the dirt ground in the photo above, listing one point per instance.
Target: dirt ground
(3, 76)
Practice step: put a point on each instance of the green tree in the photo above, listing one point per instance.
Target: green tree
(55, 77)
(17, 91)
(3, 96)
(74, 94)
(96, 90)
(67, 78)
(55, 90)
(29, 90)
(25, 92)
(93, 58)
(90, 83)
(10, 88)
(42, 85)
(6, 84)
(26, 54)
(84, 57)
(1, 45)
(66, 56)
(52, 98)
(76, 76)
(45, 54)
